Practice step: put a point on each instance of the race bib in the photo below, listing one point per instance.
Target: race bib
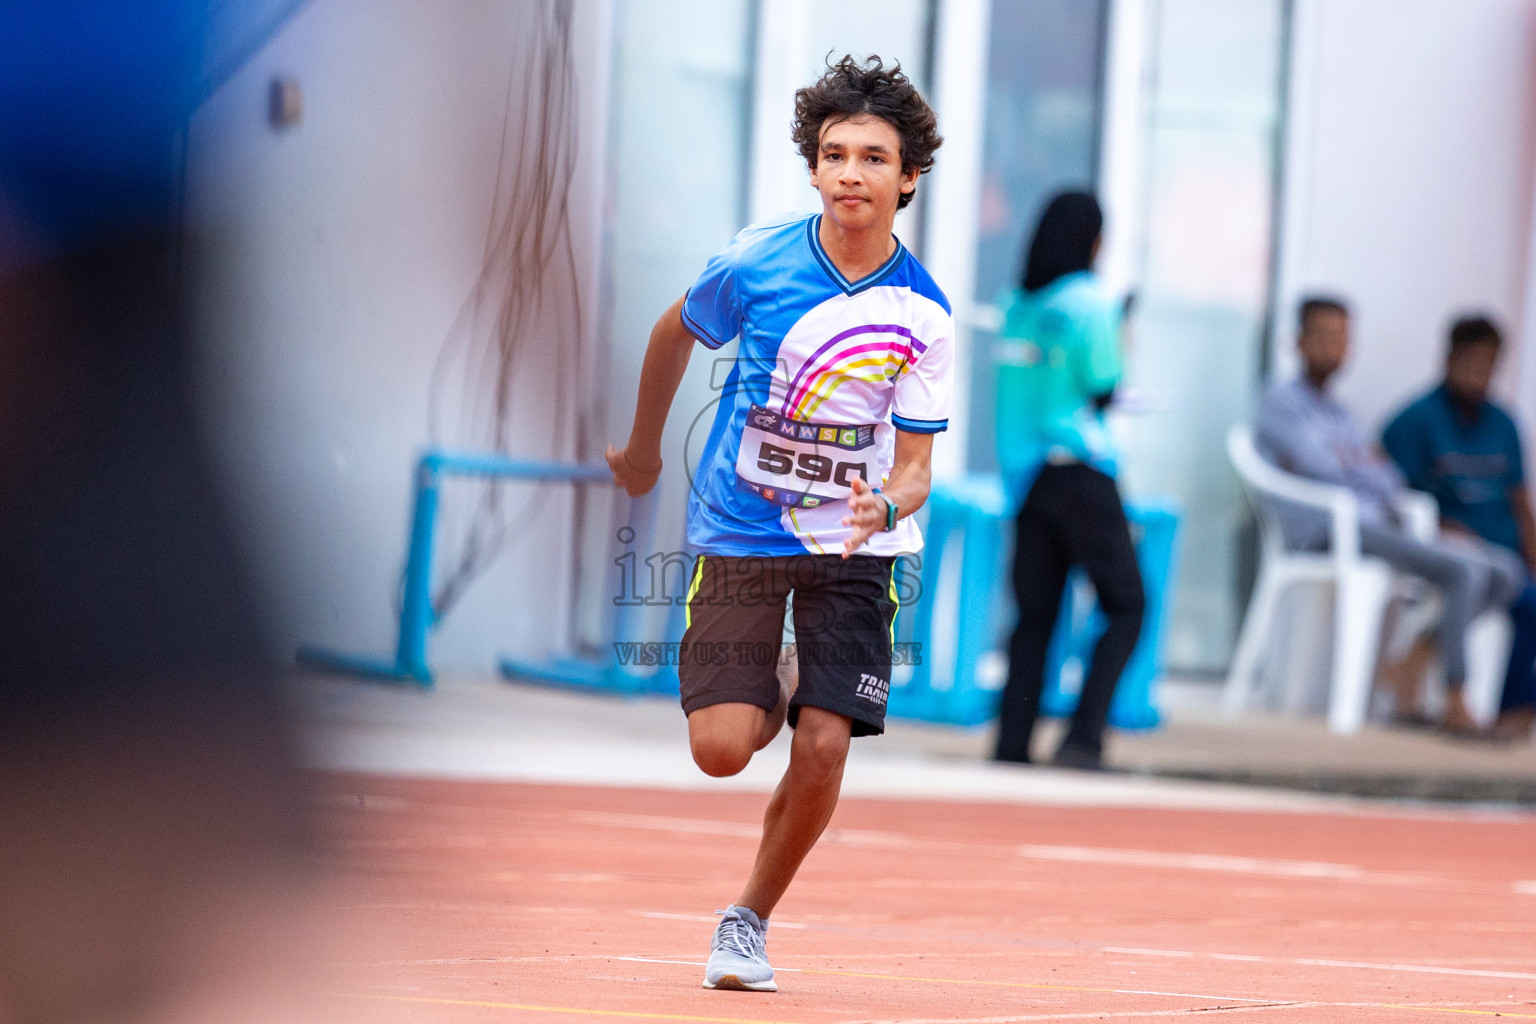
(799, 464)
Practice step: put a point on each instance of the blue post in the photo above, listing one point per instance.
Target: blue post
(629, 620)
(980, 569)
(1134, 706)
(416, 601)
(916, 698)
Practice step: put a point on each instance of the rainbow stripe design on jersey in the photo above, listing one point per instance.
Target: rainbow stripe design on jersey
(847, 356)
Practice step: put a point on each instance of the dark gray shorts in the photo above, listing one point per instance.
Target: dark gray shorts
(844, 616)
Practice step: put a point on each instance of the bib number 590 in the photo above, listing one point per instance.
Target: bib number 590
(815, 468)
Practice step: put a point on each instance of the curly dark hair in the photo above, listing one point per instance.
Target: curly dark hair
(850, 89)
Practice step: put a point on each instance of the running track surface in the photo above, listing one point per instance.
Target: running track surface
(529, 903)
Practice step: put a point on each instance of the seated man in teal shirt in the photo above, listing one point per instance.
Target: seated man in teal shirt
(1465, 450)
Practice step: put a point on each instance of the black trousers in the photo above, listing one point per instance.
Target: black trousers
(1072, 516)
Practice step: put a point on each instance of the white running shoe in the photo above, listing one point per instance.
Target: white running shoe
(738, 955)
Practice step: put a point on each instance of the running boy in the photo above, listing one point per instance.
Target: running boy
(818, 456)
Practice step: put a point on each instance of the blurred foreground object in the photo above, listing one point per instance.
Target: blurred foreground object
(147, 783)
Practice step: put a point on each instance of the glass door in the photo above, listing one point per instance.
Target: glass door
(1201, 271)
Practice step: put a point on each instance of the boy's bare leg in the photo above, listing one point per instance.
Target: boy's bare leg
(724, 737)
(801, 806)
(788, 671)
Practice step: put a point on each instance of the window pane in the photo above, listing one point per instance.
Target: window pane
(1041, 136)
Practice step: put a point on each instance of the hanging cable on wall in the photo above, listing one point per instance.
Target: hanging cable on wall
(525, 304)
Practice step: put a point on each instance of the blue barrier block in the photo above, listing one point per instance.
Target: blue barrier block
(976, 507)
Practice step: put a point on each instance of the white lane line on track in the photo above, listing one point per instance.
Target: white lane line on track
(1465, 972)
(1154, 859)
(658, 823)
(665, 916)
(687, 963)
(1033, 851)
(1101, 1015)
(951, 981)
(1462, 972)
(1526, 888)
(1193, 862)
(1190, 995)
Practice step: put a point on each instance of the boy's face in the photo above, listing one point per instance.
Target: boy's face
(858, 173)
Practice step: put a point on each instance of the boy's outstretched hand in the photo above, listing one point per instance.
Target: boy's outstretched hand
(634, 479)
(866, 514)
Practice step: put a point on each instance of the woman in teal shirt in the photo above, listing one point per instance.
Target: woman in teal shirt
(1058, 360)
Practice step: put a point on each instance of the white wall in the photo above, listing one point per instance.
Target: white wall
(1407, 185)
(336, 257)
(1524, 374)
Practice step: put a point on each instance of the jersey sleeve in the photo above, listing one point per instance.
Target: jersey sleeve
(923, 391)
(712, 308)
(1099, 367)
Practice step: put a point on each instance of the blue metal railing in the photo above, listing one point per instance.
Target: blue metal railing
(417, 617)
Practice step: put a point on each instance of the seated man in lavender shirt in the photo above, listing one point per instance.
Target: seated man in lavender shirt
(1305, 431)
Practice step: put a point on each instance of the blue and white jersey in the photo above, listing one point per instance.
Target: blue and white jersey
(826, 373)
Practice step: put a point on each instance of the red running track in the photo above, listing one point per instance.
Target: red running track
(521, 903)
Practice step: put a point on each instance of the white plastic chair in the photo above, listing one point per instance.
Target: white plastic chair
(1362, 586)
(1488, 641)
